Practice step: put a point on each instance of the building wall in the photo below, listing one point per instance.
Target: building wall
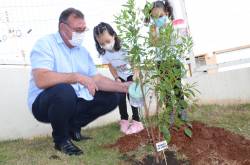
(224, 87)
(16, 121)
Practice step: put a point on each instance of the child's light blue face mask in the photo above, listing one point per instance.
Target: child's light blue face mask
(161, 21)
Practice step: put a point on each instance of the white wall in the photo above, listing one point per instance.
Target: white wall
(16, 121)
(23, 15)
(15, 118)
(214, 25)
(218, 24)
(224, 87)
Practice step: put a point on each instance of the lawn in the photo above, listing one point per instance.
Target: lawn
(39, 151)
(235, 118)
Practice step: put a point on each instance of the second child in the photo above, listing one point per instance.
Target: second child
(109, 47)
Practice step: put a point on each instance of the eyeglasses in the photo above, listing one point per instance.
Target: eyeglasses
(79, 30)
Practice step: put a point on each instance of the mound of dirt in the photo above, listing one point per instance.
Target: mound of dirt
(208, 145)
(132, 142)
(211, 145)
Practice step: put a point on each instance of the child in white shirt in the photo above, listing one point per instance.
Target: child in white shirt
(109, 47)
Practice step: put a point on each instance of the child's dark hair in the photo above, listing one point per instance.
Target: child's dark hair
(165, 5)
(100, 29)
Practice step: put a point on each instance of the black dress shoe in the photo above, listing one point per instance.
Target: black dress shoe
(76, 136)
(68, 148)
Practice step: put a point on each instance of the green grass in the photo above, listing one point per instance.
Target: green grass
(235, 118)
(40, 151)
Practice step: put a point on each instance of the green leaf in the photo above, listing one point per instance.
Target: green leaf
(166, 133)
(189, 125)
(188, 132)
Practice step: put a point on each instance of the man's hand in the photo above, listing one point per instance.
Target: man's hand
(88, 82)
(125, 86)
(118, 79)
(107, 84)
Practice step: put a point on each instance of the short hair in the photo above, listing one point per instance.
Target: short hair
(68, 12)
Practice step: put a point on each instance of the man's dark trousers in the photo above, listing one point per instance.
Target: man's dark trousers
(60, 106)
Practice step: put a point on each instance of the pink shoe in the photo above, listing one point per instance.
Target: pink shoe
(135, 127)
(124, 124)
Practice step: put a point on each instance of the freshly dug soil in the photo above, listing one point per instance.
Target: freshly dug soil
(171, 160)
(208, 145)
(132, 142)
(150, 160)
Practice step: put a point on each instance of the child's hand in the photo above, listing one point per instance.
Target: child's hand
(136, 74)
(126, 85)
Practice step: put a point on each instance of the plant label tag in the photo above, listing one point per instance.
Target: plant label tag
(160, 146)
